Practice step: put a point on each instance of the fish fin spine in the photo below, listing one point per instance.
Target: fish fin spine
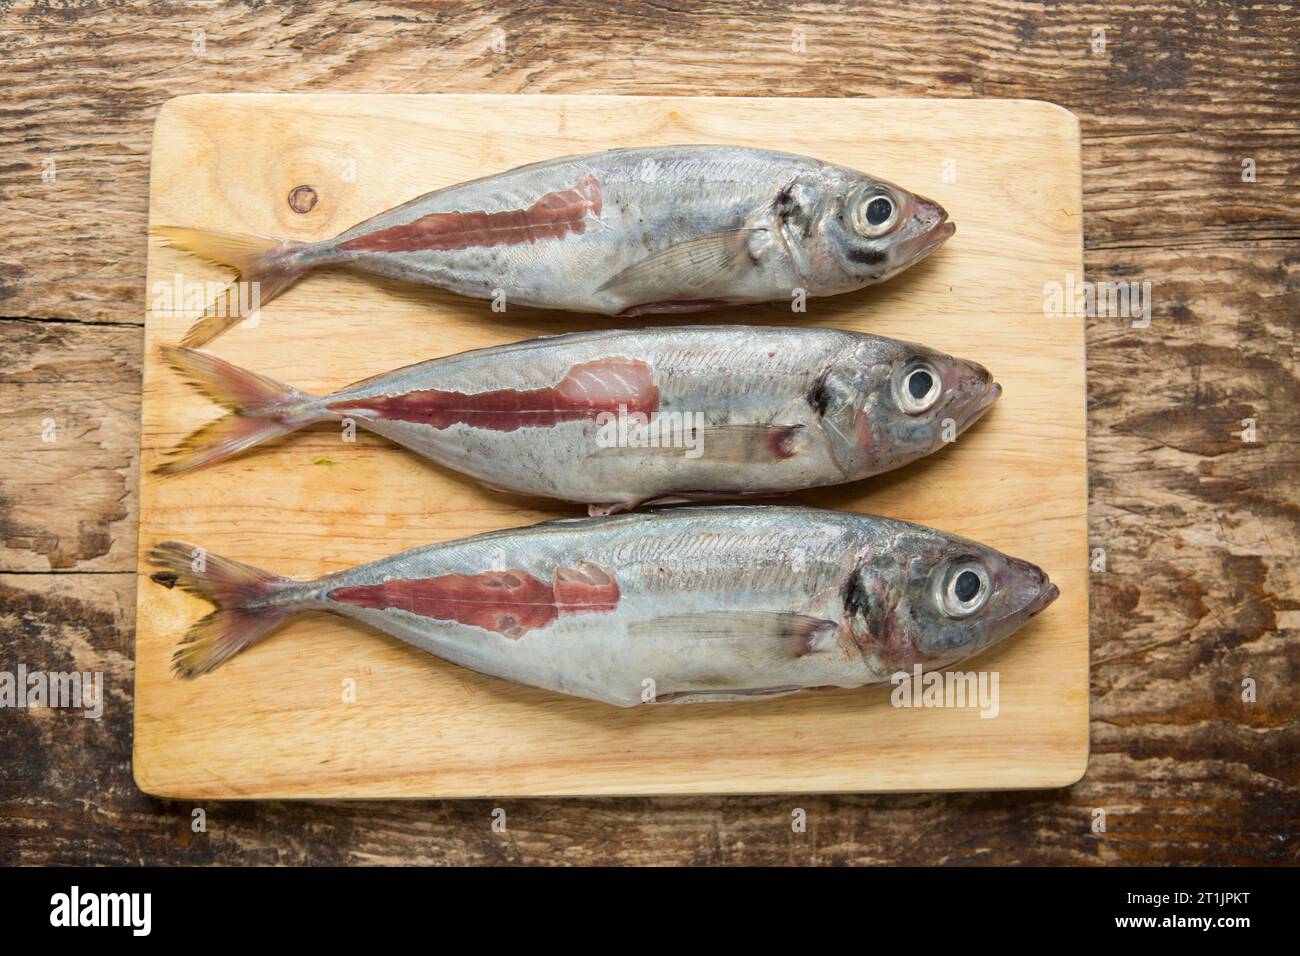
(249, 604)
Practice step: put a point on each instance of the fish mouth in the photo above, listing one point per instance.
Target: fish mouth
(1049, 593)
(922, 245)
(982, 405)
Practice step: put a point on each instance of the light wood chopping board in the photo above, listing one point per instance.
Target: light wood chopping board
(328, 708)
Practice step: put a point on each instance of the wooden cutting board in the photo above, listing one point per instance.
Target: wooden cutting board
(328, 708)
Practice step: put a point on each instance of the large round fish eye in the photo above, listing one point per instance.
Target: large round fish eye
(963, 589)
(875, 214)
(918, 387)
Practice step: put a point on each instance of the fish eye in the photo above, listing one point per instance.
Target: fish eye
(918, 387)
(965, 589)
(875, 215)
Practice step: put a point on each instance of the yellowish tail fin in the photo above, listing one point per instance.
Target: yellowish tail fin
(266, 264)
(249, 604)
(261, 409)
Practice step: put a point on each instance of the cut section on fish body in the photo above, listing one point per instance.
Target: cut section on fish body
(617, 419)
(622, 232)
(679, 606)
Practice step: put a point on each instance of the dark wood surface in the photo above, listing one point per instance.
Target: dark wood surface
(1199, 527)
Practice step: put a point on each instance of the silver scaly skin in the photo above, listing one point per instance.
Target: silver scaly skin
(772, 409)
(621, 232)
(677, 606)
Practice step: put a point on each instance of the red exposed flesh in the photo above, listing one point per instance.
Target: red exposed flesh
(507, 602)
(586, 589)
(587, 390)
(554, 216)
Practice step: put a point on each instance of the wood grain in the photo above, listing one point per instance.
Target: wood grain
(274, 723)
(1200, 534)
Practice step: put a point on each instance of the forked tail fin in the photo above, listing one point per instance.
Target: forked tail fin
(261, 409)
(266, 264)
(249, 603)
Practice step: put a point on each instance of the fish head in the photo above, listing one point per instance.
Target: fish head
(866, 230)
(886, 403)
(933, 598)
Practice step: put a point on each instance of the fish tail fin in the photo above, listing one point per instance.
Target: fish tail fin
(249, 604)
(261, 409)
(265, 267)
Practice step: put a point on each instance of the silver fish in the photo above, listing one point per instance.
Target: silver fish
(685, 605)
(618, 419)
(622, 232)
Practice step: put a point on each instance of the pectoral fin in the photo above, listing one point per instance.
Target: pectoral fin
(783, 635)
(704, 268)
(737, 443)
(724, 696)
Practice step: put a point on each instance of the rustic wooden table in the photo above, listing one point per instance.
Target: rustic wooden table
(1191, 139)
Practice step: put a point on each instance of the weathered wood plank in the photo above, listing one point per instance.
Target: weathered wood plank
(1199, 528)
(70, 401)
